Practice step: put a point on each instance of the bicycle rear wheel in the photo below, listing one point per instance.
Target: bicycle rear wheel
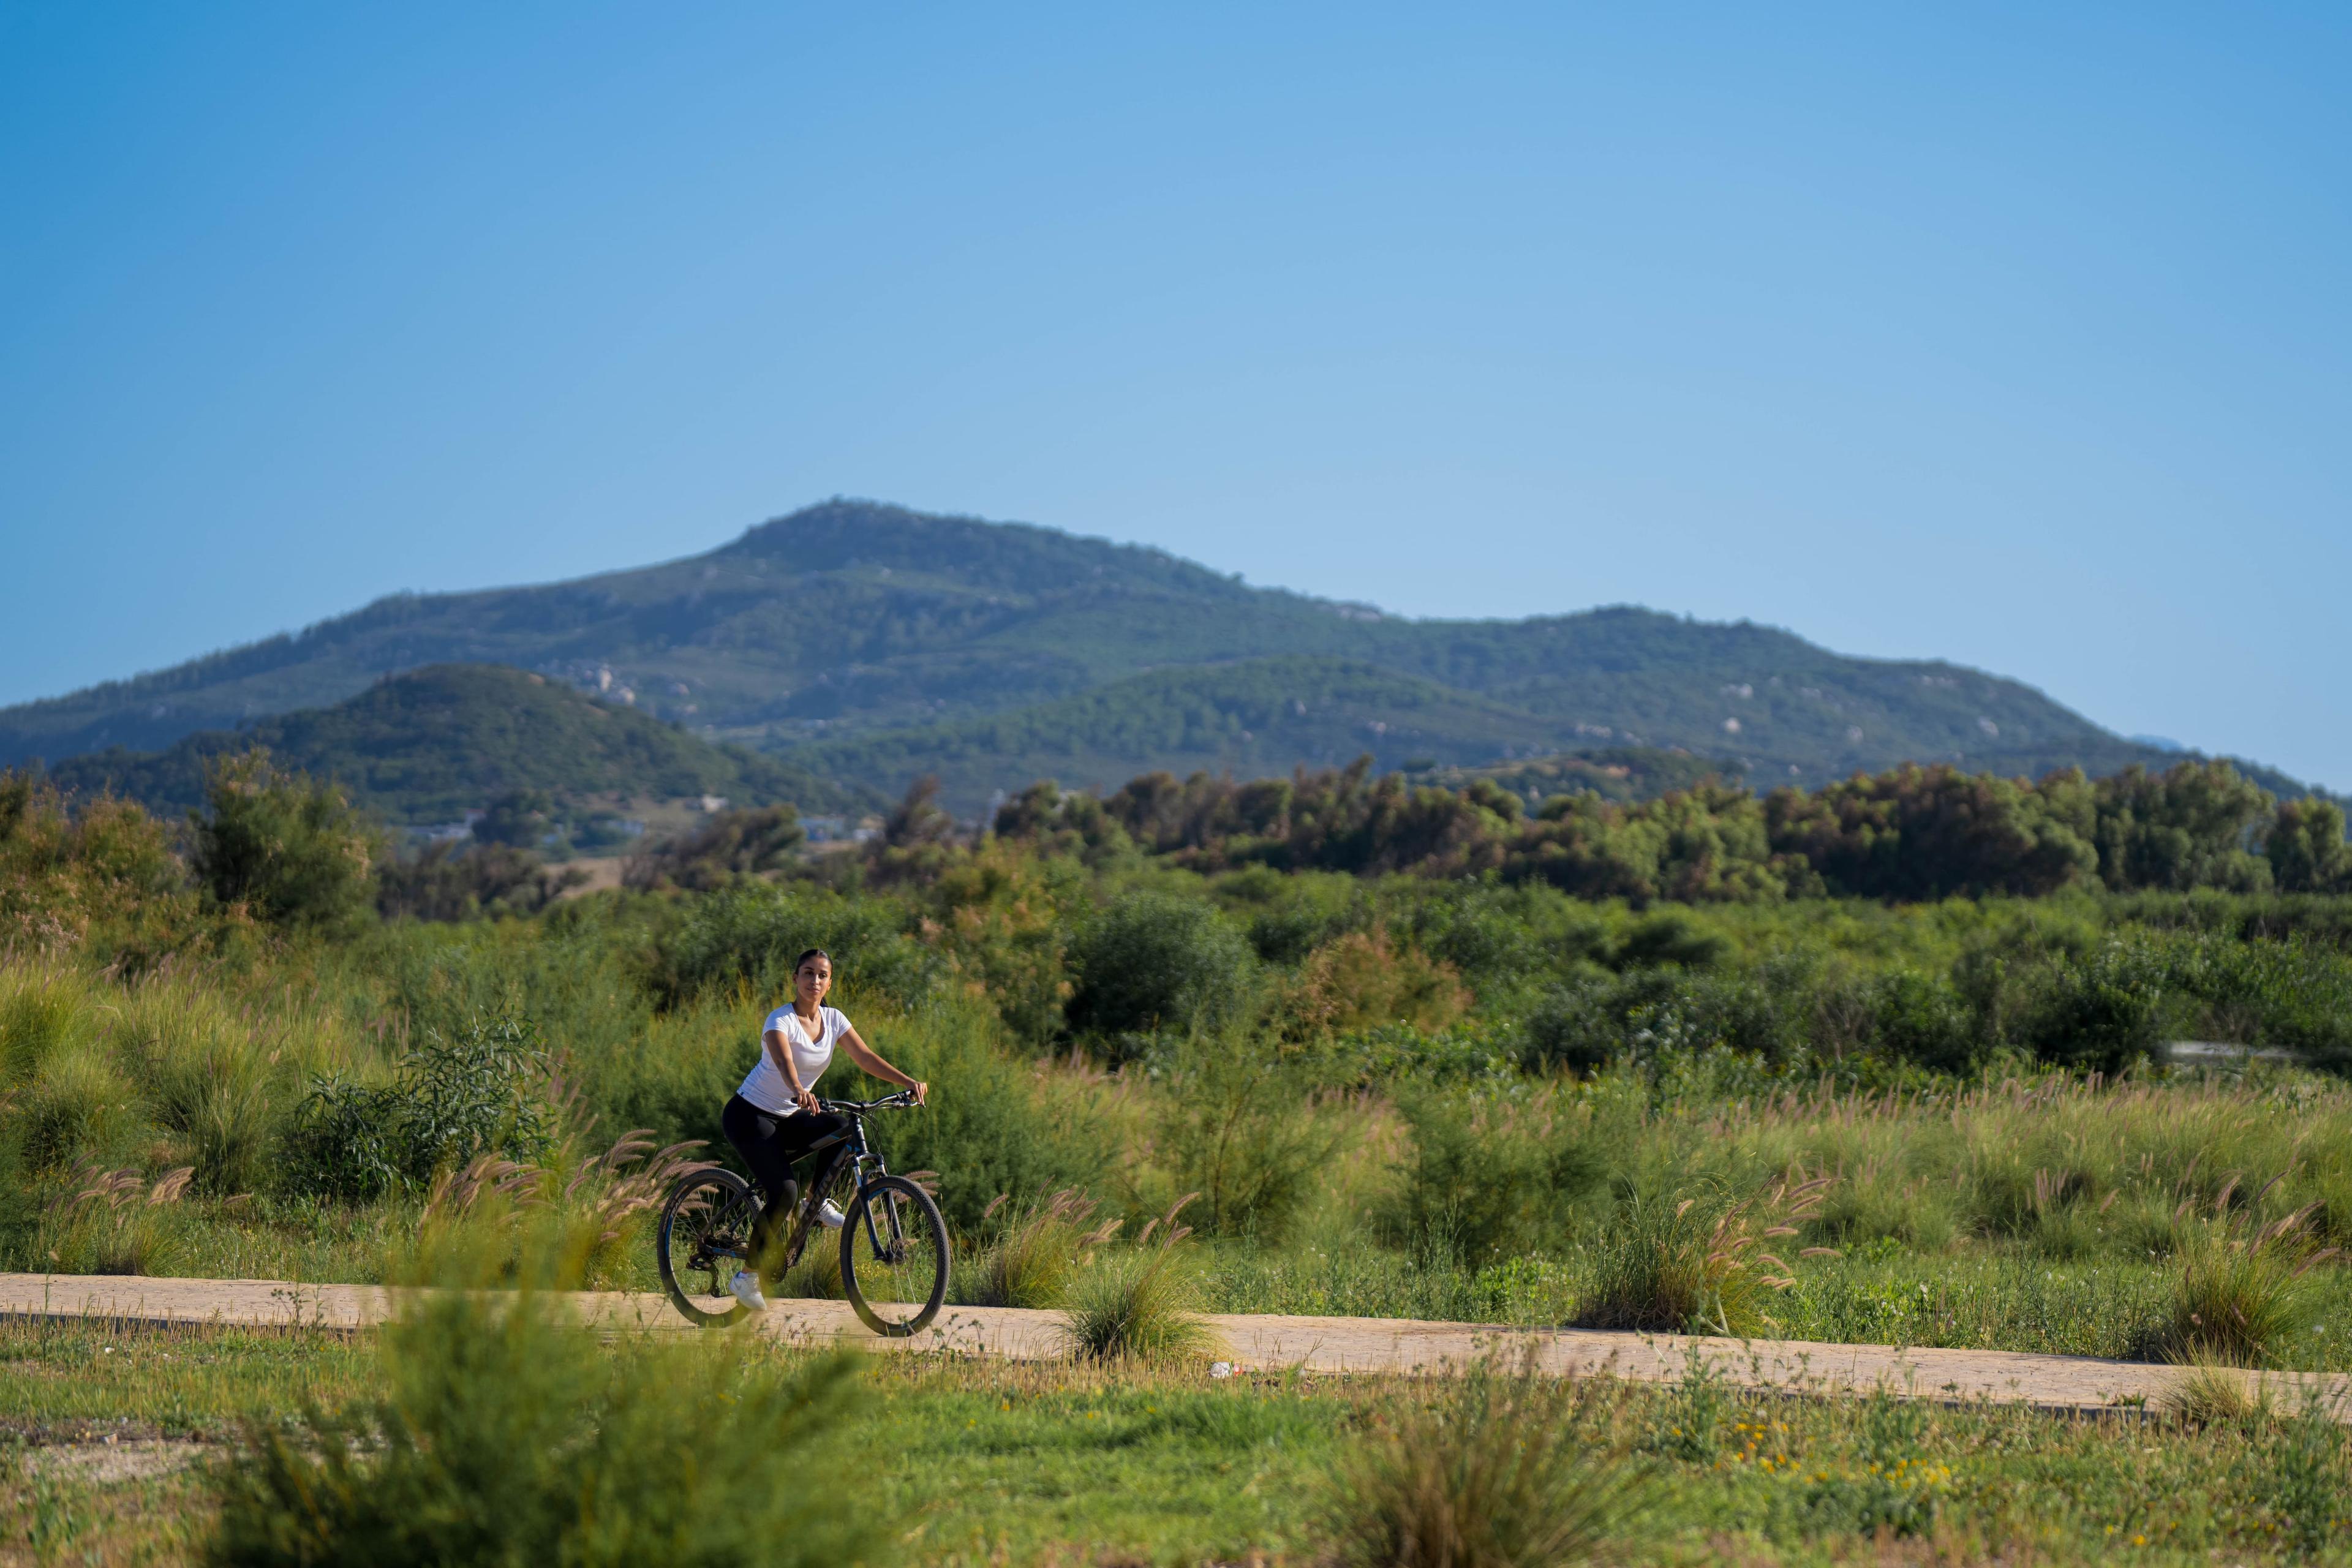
(894, 1257)
(704, 1237)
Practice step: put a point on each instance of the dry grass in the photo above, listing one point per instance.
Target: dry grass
(2207, 1396)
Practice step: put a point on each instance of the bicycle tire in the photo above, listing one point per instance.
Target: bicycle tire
(897, 1297)
(705, 1207)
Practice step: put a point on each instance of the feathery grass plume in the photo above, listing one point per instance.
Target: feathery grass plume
(1030, 1262)
(1139, 1304)
(2209, 1395)
(1695, 1267)
(1489, 1470)
(2244, 1291)
(114, 1222)
(503, 1433)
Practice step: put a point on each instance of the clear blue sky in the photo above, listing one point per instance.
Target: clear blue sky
(2015, 335)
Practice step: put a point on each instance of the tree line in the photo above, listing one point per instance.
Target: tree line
(1911, 833)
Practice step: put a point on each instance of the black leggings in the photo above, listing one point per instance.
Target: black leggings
(770, 1144)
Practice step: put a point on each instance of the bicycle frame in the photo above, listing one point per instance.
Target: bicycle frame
(847, 1146)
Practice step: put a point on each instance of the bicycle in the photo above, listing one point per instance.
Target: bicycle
(894, 1245)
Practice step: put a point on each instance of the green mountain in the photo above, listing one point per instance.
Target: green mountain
(1249, 719)
(424, 746)
(838, 635)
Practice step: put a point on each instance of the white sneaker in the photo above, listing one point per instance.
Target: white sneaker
(745, 1287)
(827, 1216)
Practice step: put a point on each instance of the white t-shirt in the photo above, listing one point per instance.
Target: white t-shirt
(764, 1086)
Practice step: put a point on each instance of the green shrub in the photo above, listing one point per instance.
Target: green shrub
(2104, 1011)
(290, 850)
(450, 1101)
(78, 1106)
(989, 1127)
(1138, 1303)
(1153, 962)
(504, 1436)
(1923, 1019)
(1648, 1014)
(1489, 1179)
(1240, 1129)
(2244, 1294)
(1491, 1469)
(749, 936)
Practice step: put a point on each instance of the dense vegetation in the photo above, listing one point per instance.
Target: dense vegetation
(424, 746)
(1899, 1068)
(1240, 954)
(859, 623)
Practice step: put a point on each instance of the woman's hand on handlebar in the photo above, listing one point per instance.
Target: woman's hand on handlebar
(807, 1100)
(921, 1090)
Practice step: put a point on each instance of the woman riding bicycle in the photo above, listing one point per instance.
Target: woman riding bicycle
(773, 1119)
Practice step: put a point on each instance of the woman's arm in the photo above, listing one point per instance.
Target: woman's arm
(862, 1055)
(773, 1042)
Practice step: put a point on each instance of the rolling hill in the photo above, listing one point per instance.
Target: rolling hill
(866, 642)
(424, 746)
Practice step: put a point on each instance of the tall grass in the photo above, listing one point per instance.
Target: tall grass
(1039, 1246)
(1690, 1266)
(2245, 1292)
(1139, 1304)
(1491, 1469)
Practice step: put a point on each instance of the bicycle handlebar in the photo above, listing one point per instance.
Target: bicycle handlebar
(902, 1101)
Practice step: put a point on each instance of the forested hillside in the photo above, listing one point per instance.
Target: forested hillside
(852, 622)
(424, 746)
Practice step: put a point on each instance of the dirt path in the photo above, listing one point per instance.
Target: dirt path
(2075, 1385)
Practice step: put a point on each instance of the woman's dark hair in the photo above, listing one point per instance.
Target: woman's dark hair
(801, 961)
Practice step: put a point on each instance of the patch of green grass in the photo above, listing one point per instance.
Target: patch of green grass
(975, 1461)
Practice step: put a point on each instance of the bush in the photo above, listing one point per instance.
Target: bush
(1921, 1019)
(1241, 1130)
(470, 881)
(1651, 1014)
(1359, 980)
(747, 938)
(989, 1127)
(1692, 1266)
(2243, 1297)
(450, 1101)
(1153, 962)
(1138, 1304)
(2104, 1011)
(1489, 1180)
(291, 851)
(753, 841)
(505, 1435)
(1493, 1470)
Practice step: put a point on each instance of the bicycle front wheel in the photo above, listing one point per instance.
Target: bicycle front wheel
(894, 1257)
(703, 1237)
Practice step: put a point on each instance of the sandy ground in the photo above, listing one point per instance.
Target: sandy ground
(2077, 1385)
